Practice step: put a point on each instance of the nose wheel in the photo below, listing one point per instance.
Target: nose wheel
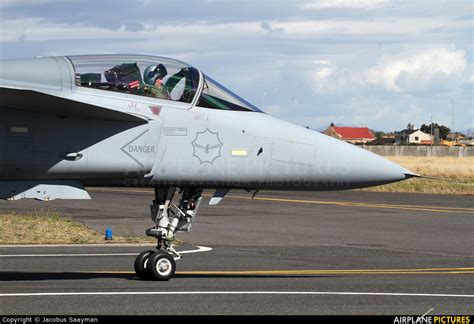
(161, 266)
(158, 266)
(140, 265)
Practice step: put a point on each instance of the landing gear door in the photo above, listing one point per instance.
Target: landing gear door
(153, 140)
(155, 132)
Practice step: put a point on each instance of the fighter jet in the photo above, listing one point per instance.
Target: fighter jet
(133, 120)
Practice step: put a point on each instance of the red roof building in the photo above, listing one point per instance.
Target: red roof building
(354, 135)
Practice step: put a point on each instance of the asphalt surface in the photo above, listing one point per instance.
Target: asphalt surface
(281, 253)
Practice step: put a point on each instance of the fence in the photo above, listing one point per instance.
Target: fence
(420, 150)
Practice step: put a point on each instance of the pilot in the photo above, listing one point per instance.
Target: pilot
(154, 84)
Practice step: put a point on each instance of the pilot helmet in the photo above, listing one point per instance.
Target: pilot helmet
(154, 72)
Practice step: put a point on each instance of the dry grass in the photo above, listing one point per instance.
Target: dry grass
(460, 170)
(50, 227)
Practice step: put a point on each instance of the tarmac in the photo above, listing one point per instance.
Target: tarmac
(300, 253)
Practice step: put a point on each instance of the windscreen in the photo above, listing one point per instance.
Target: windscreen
(216, 96)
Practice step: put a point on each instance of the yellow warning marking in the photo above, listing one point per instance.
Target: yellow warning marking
(311, 272)
(239, 153)
(150, 191)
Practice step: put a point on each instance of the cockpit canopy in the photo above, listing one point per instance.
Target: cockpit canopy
(150, 76)
(156, 77)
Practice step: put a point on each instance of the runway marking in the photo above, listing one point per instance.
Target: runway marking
(361, 204)
(169, 293)
(199, 249)
(65, 255)
(440, 209)
(325, 272)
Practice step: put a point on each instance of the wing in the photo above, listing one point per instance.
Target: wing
(34, 101)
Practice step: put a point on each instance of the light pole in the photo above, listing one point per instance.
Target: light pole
(452, 116)
(431, 127)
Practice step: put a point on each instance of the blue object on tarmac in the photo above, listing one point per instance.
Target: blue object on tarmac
(108, 234)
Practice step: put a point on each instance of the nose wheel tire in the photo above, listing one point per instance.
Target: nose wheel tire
(141, 265)
(161, 266)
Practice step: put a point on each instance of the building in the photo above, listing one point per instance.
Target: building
(413, 136)
(419, 137)
(354, 135)
(457, 137)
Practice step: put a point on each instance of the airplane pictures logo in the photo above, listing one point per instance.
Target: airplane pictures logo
(207, 146)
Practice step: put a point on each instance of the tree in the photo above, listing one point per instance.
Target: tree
(378, 134)
(443, 130)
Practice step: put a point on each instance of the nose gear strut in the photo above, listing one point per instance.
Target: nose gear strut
(169, 219)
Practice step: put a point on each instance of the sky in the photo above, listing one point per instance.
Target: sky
(375, 63)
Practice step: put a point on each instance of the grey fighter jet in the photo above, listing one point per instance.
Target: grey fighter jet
(75, 121)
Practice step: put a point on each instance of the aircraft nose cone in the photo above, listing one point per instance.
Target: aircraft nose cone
(355, 167)
(379, 170)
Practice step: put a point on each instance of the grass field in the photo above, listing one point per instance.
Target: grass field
(459, 170)
(51, 227)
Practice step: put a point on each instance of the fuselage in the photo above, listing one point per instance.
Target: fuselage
(52, 127)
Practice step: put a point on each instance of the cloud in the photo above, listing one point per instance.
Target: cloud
(25, 3)
(404, 28)
(360, 4)
(329, 79)
(270, 29)
(437, 69)
(133, 26)
(40, 30)
(320, 77)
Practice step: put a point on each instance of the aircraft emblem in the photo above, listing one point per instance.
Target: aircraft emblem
(207, 146)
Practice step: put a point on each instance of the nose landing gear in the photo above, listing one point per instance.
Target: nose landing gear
(169, 218)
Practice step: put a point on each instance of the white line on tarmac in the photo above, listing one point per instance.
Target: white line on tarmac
(200, 249)
(64, 255)
(307, 293)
